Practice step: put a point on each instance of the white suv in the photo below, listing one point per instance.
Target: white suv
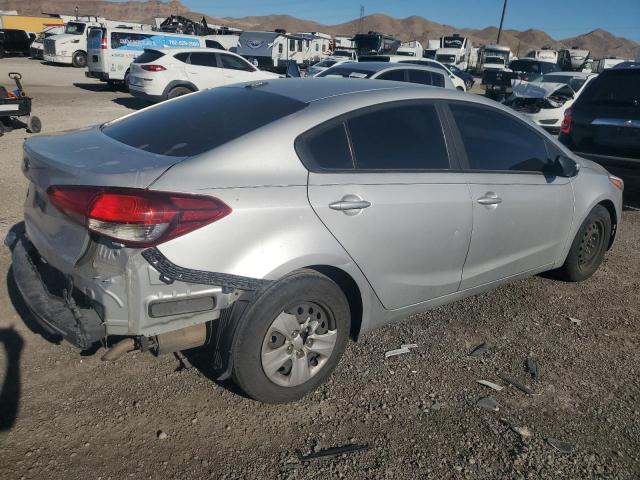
(160, 74)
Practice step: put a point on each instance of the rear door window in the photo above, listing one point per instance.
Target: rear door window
(425, 77)
(619, 88)
(326, 148)
(149, 56)
(496, 142)
(201, 121)
(398, 137)
(203, 59)
(396, 75)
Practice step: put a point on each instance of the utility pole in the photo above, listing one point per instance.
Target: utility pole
(361, 19)
(504, 10)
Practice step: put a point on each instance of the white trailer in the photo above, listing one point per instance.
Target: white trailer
(411, 49)
(71, 47)
(454, 50)
(544, 55)
(493, 57)
(275, 50)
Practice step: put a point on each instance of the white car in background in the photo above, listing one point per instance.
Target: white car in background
(321, 66)
(545, 100)
(160, 74)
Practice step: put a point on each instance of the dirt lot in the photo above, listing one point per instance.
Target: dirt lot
(67, 416)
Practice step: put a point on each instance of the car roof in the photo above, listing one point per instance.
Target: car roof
(572, 74)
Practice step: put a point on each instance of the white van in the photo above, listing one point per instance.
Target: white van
(111, 50)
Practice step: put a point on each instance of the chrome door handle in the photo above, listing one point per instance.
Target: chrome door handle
(490, 198)
(349, 205)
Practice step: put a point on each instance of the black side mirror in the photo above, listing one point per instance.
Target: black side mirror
(566, 167)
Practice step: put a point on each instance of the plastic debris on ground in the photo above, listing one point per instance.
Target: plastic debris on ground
(489, 403)
(404, 348)
(479, 350)
(563, 447)
(532, 368)
(517, 384)
(489, 384)
(575, 321)
(333, 452)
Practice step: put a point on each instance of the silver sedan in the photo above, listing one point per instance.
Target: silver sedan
(273, 221)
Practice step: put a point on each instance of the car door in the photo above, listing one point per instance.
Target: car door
(203, 71)
(381, 182)
(425, 77)
(236, 69)
(522, 211)
(397, 75)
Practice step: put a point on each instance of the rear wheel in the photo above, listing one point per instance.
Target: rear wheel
(291, 338)
(125, 83)
(2, 130)
(588, 247)
(79, 59)
(178, 92)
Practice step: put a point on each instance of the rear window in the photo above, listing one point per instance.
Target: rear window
(201, 121)
(149, 56)
(346, 72)
(616, 88)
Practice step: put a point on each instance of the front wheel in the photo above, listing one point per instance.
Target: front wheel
(79, 59)
(291, 338)
(588, 247)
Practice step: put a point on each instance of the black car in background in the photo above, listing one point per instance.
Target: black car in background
(604, 125)
(529, 69)
(15, 41)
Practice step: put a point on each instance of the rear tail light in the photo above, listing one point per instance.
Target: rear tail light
(103, 43)
(617, 181)
(566, 122)
(153, 68)
(137, 217)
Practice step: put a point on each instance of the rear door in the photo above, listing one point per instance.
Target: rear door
(522, 211)
(606, 116)
(426, 77)
(381, 182)
(96, 58)
(203, 70)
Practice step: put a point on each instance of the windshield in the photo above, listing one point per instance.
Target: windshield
(202, 121)
(345, 71)
(446, 58)
(576, 83)
(494, 59)
(367, 44)
(74, 28)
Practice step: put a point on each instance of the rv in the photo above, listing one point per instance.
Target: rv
(275, 50)
(606, 63)
(432, 48)
(572, 59)
(544, 55)
(71, 47)
(375, 43)
(111, 50)
(493, 57)
(411, 49)
(454, 50)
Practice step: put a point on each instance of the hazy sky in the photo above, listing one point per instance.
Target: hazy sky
(559, 18)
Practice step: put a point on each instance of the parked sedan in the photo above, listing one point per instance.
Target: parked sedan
(160, 74)
(276, 219)
(389, 71)
(321, 66)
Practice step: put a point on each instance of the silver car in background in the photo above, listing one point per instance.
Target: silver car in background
(275, 220)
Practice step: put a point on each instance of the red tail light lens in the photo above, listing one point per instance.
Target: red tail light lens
(137, 217)
(103, 43)
(567, 121)
(153, 68)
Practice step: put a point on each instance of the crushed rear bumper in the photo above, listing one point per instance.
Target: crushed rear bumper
(59, 309)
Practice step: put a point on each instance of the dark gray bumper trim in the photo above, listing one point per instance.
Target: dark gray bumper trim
(174, 272)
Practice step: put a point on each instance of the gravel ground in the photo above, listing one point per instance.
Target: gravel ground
(67, 416)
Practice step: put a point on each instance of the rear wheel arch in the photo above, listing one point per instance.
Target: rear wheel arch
(350, 289)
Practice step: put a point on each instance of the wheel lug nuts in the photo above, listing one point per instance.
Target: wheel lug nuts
(310, 343)
(295, 334)
(290, 349)
(300, 353)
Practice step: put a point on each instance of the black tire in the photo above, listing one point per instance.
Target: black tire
(588, 247)
(303, 286)
(79, 59)
(34, 124)
(2, 129)
(178, 92)
(125, 83)
(2, 52)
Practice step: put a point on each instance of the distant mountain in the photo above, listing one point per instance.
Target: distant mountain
(599, 42)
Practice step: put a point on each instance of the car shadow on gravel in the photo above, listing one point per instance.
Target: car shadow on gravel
(94, 87)
(11, 388)
(131, 103)
(202, 360)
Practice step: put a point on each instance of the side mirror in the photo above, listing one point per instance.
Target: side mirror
(566, 167)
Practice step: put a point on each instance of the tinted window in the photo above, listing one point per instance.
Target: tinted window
(400, 137)
(201, 121)
(326, 148)
(494, 141)
(397, 75)
(203, 59)
(149, 56)
(235, 63)
(345, 71)
(426, 78)
(213, 44)
(619, 88)
(183, 57)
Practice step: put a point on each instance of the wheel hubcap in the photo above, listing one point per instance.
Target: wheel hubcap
(591, 245)
(298, 344)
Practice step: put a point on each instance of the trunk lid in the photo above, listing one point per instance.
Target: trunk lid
(83, 157)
